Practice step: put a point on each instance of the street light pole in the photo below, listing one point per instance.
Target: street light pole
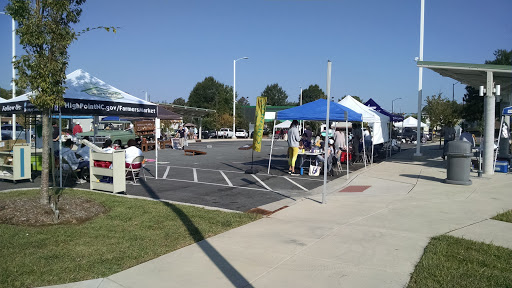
(453, 90)
(234, 92)
(392, 108)
(13, 73)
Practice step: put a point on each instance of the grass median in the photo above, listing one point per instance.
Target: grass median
(132, 232)
(505, 216)
(455, 262)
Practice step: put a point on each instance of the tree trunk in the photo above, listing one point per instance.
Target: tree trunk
(45, 173)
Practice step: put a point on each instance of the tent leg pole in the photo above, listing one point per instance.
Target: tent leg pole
(346, 140)
(364, 149)
(60, 148)
(271, 146)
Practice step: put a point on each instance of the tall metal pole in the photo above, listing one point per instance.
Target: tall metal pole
(13, 76)
(420, 82)
(326, 142)
(303, 125)
(234, 92)
(234, 97)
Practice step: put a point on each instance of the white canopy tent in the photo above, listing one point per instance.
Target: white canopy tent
(88, 95)
(285, 124)
(409, 122)
(378, 121)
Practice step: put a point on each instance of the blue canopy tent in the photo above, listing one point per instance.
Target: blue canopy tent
(393, 117)
(316, 111)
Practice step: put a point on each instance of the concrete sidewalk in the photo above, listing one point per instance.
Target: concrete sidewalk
(372, 238)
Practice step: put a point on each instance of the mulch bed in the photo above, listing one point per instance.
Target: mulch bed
(29, 212)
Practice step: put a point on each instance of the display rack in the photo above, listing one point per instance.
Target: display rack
(117, 182)
(15, 163)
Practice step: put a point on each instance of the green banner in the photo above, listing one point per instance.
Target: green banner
(261, 106)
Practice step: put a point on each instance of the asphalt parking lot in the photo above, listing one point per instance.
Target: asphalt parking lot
(218, 179)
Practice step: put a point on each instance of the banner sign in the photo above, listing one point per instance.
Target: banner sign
(85, 107)
(261, 106)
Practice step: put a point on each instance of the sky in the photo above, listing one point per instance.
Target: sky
(165, 48)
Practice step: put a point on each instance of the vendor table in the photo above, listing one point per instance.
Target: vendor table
(308, 156)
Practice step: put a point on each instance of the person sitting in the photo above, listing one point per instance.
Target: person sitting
(318, 141)
(83, 151)
(330, 154)
(107, 146)
(69, 155)
(117, 145)
(130, 153)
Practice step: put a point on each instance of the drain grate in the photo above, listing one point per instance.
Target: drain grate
(354, 188)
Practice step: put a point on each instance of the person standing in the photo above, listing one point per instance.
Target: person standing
(339, 140)
(77, 128)
(293, 146)
(181, 131)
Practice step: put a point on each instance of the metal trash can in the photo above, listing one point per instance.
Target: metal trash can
(459, 162)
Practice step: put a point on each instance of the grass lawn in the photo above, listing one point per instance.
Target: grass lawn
(455, 262)
(134, 231)
(505, 216)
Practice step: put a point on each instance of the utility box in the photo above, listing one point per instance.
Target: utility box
(459, 162)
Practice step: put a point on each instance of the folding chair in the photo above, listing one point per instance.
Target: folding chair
(338, 168)
(68, 170)
(135, 167)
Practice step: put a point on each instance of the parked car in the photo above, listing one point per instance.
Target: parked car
(241, 133)
(207, 134)
(113, 130)
(21, 133)
(225, 133)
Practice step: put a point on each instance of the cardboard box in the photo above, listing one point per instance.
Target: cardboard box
(7, 145)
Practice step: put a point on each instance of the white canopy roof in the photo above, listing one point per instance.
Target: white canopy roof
(378, 121)
(369, 115)
(285, 124)
(409, 122)
(88, 95)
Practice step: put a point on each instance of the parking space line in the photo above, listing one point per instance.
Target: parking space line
(239, 172)
(301, 187)
(208, 183)
(261, 182)
(166, 171)
(195, 174)
(226, 178)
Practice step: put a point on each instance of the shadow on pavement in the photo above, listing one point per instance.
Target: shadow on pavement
(423, 177)
(224, 266)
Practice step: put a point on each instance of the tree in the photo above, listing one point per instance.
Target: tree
(276, 96)
(7, 94)
(442, 111)
(473, 103)
(180, 101)
(44, 29)
(211, 94)
(243, 102)
(502, 57)
(312, 93)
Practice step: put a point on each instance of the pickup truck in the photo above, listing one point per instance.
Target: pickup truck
(225, 133)
(113, 130)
